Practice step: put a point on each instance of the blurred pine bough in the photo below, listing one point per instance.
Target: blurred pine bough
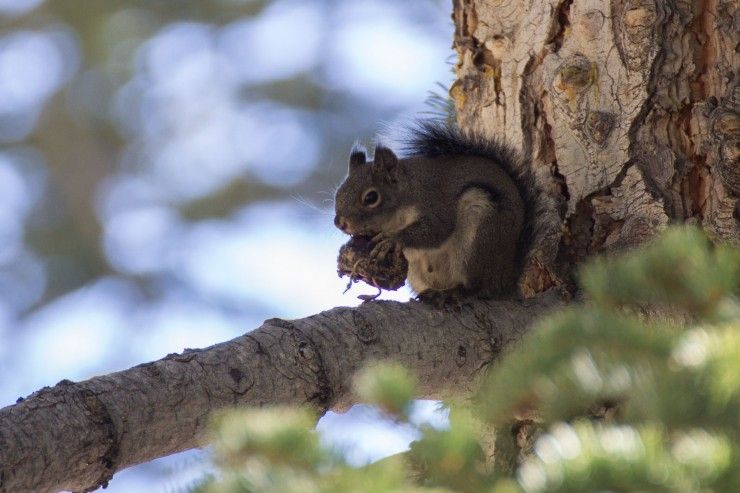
(624, 401)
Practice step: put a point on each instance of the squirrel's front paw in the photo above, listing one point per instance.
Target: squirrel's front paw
(384, 244)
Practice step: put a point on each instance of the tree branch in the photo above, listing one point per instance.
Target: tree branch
(74, 436)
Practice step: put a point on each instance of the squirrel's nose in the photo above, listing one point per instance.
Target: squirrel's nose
(340, 223)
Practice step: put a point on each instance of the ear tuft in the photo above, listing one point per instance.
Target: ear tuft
(384, 157)
(358, 156)
(385, 163)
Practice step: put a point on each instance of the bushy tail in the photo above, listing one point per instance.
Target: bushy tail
(433, 138)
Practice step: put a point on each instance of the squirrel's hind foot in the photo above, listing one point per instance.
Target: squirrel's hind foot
(454, 299)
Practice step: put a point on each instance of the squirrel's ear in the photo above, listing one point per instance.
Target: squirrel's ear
(385, 162)
(357, 157)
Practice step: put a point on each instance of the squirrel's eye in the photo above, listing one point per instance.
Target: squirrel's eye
(370, 198)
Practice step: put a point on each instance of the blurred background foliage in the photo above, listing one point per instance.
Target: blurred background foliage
(165, 170)
(605, 399)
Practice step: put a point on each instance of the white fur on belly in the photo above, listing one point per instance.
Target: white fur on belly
(445, 267)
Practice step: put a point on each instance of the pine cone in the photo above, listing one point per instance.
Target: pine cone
(355, 261)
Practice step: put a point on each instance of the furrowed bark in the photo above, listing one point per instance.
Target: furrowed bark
(628, 110)
(74, 436)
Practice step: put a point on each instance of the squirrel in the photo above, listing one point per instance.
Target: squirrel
(461, 208)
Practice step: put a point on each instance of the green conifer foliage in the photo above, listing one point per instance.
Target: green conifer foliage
(636, 389)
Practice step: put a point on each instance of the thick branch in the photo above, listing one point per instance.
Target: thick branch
(76, 435)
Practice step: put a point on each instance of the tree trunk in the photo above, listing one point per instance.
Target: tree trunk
(628, 112)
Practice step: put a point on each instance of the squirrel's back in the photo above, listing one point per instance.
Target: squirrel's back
(435, 139)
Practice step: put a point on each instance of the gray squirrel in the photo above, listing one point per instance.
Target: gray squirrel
(460, 207)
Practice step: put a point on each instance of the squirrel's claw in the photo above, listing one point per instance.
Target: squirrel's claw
(383, 246)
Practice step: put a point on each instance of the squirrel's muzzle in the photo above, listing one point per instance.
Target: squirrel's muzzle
(341, 223)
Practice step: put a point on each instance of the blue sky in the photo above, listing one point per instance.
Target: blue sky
(186, 100)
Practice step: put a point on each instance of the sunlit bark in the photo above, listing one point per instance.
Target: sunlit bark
(627, 108)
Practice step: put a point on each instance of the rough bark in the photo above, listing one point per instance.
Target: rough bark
(74, 436)
(627, 108)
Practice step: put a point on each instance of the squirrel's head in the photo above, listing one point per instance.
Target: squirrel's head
(370, 194)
